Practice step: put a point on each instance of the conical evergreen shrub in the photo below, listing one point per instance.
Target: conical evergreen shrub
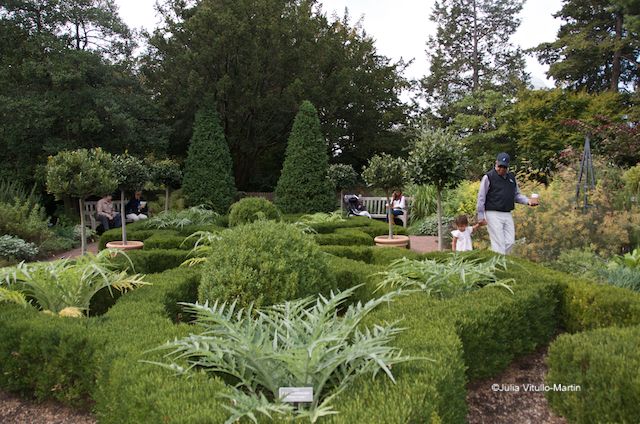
(208, 174)
(303, 186)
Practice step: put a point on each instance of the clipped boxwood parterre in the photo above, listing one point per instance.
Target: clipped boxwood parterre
(469, 337)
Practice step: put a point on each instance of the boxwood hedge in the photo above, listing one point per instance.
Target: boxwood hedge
(468, 337)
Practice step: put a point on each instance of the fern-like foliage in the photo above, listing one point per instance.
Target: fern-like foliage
(65, 287)
(321, 218)
(202, 247)
(445, 279)
(299, 343)
(197, 215)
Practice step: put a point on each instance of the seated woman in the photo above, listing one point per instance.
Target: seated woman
(398, 205)
(105, 213)
(136, 209)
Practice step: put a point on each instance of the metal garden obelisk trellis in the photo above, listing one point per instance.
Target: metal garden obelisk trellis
(586, 177)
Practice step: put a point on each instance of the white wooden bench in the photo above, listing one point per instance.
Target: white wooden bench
(376, 206)
(90, 212)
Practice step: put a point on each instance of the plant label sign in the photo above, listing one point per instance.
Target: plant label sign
(295, 394)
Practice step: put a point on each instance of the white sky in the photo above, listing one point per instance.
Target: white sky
(401, 27)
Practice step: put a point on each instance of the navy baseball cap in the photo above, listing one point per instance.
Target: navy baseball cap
(503, 159)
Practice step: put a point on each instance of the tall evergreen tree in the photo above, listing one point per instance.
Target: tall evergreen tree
(303, 185)
(471, 51)
(208, 174)
(261, 59)
(598, 46)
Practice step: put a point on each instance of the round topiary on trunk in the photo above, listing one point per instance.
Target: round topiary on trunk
(208, 176)
(303, 186)
(264, 263)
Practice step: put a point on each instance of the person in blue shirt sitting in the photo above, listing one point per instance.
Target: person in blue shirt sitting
(136, 209)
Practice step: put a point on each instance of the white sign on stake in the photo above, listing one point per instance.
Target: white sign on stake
(295, 394)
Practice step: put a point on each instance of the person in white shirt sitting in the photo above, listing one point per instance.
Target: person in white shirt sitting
(398, 206)
(461, 241)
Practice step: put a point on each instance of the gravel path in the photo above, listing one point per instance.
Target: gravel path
(489, 406)
(16, 410)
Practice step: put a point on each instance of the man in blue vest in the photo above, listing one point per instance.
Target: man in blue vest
(496, 199)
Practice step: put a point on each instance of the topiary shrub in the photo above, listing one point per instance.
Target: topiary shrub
(303, 185)
(208, 177)
(265, 263)
(251, 209)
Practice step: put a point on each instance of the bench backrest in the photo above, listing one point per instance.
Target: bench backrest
(90, 206)
(377, 205)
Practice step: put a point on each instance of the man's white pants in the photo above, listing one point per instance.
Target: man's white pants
(502, 232)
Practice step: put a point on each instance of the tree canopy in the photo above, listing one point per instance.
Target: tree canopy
(260, 59)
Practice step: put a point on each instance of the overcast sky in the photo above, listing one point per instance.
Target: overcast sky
(401, 27)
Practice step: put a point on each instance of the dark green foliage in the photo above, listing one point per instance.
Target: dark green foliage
(349, 273)
(471, 51)
(355, 87)
(356, 253)
(25, 220)
(208, 175)
(303, 185)
(251, 209)
(342, 176)
(166, 172)
(345, 237)
(586, 306)
(168, 241)
(605, 363)
(384, 255)
(265, 263)
(70, 82)
(99, 357)
(596, 49)
(155, 260)
(46, 356)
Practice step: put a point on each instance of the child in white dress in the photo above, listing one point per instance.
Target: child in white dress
(461, 241)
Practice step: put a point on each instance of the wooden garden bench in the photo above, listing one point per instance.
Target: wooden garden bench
(376, 207)
(90, 213)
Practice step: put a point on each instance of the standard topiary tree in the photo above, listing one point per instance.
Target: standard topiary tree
(167, 173)
(342, 176)
(387, 173)
(438, 157)
(80, 173)
(303, 186)
(131, 174)
(208, 175)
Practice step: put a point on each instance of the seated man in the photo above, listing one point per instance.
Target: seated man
(136, 209)
(105, 213)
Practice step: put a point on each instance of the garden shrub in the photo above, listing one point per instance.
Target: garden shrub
(251, 209)
(303, 185)
(429, 226)
(356, 253)
(24, 219)
(187, 230)
(556, 225)
(345, 237)
(579, 261)
(45, 356)
(265, 263)
(386, 255)
(15, 249)
(605, 363)
(208, 175)
(350, 273)
(168, 241)
(154, 260)
(587, 306)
